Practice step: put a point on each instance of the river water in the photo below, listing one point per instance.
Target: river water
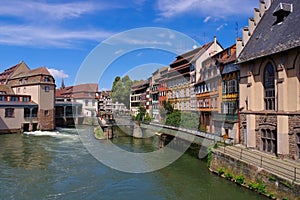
(55, 165)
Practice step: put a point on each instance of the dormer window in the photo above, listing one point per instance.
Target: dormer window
(229, 52)
(46, 79)
(282, 11)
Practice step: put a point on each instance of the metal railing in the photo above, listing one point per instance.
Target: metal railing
(283, 168)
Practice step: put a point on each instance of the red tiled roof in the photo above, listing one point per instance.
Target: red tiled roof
(190, 55)
(8, 72)
(87, 87)
(6, 89)
(82, 91)
(37, 71)
(139, 84)
(62, 92)
(225, 58)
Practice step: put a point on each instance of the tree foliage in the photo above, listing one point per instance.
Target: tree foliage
(120, 91)
(141, 114)
(174, 118)
(189, 120)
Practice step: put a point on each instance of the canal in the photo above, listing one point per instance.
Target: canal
(56, 165)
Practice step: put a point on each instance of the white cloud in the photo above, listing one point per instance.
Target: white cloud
(213, 8)
(41, 10)
(221, 26)
(47, 36)
(58, 73)
(207, 19)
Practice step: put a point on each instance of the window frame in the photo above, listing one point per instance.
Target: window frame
(269, 87)
(9, 112)
(269, 140)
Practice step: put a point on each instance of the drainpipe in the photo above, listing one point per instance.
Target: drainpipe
(239, 127)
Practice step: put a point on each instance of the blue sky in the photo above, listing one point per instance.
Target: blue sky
(62, 34)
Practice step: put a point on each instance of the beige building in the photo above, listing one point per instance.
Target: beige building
(269, 84)
(185, 72)
(27, 103)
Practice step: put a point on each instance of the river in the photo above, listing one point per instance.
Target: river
(56, 165)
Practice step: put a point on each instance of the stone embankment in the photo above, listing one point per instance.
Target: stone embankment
(264, 173)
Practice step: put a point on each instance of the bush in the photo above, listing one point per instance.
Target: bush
(271, 195)
(229, 176)
(240, 179)
(221, 171)
(174, 119)
(261, 188)
(252, 185)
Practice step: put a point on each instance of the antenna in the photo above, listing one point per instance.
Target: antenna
(237, 29)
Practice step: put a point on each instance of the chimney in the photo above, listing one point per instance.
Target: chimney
(251, 25)
(239, 46)
(246, 35)
(262, 7)
(257, 16)
(215, 47)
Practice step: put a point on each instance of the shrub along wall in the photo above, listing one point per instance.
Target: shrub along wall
(253, 177)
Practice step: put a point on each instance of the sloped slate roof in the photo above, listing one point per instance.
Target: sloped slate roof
(269, 38)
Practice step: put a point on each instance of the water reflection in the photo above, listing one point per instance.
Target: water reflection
(24, 152)
(59, 167)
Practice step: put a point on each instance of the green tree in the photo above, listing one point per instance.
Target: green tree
(168, 107)
(117, 79)
(174, 119)
(190, 120)
(121, 90)
(141, 114)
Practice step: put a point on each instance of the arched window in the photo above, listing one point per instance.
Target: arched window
(269, 85)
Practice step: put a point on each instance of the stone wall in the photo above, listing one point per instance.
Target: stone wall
(46, 122)
(243, 123)
(274, 185)
(263, 121)
(294, 128)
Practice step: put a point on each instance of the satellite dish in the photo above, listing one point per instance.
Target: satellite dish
(195, 47)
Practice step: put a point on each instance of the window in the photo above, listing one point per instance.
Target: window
(14, 99)
(2, 98)
(46, 113)
(269, 140)
(26, 112)
(298, 144)
(25, 99)
(47, 88)
(93, 102)
(24, 90)
(269, 85)
(34, 112)
(229, 107)
(229, 87)
(47, 79)
(9, 112)
(86, 102)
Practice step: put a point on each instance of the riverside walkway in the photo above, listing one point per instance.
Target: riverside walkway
(284, 168)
